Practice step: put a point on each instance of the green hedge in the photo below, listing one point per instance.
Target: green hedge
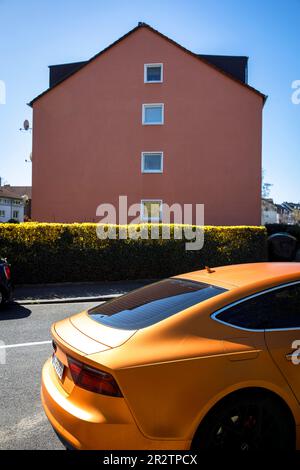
(42, 253)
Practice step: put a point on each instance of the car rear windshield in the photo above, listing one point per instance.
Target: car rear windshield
(153, 303)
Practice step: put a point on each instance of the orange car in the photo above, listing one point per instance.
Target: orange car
(203, 360)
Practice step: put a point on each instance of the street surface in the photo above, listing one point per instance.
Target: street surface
(23, 424)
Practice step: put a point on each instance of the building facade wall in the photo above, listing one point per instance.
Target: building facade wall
(88, 137)
(11, 209)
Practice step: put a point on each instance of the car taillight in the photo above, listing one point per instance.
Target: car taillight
(7, 271)
(93, 380)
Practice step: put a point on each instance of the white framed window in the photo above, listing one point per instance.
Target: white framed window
(15, 214)
(152, 162)
(153, 73)
(151, 210)
(2, 213)
(153, 114)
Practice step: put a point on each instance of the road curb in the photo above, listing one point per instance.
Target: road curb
(67, 300)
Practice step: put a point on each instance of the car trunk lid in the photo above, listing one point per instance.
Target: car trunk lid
(89, 337)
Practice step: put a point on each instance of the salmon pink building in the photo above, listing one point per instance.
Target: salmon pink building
(151, 120)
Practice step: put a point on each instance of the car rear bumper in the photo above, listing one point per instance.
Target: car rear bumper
(88, 428)
(64, 442)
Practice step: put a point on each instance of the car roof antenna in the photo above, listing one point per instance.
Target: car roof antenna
(209, 270)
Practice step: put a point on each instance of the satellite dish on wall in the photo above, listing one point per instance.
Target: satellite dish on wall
(30, 158)
(26, 126)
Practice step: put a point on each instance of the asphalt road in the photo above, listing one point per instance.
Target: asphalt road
(23, 424)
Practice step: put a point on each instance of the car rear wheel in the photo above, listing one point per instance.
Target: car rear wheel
(251, 421)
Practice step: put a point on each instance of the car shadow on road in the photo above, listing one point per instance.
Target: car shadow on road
(14, 311)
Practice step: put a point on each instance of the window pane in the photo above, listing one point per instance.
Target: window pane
(152, 210)
(152, 162)
(153, 303)
(153, 114)
(154, 74)
(277, 309)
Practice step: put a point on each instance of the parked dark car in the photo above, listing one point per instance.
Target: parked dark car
(6, 286)
(282, 247)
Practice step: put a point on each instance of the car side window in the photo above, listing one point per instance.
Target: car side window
(273, 310)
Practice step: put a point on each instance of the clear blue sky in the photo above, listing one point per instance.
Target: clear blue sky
(35, 34)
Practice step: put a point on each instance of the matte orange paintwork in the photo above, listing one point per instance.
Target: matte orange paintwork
(88, 137)
(172, 373)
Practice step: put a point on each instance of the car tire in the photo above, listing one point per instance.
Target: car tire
(246, 421)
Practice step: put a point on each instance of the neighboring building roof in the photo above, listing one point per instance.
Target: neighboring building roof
(62, 71)
(268, 200)
(67, 70)
(237, 66)
(291, 205)
(281, 208)
(4, 192)
(19, 191)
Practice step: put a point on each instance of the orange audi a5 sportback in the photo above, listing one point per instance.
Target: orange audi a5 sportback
(203, 360)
